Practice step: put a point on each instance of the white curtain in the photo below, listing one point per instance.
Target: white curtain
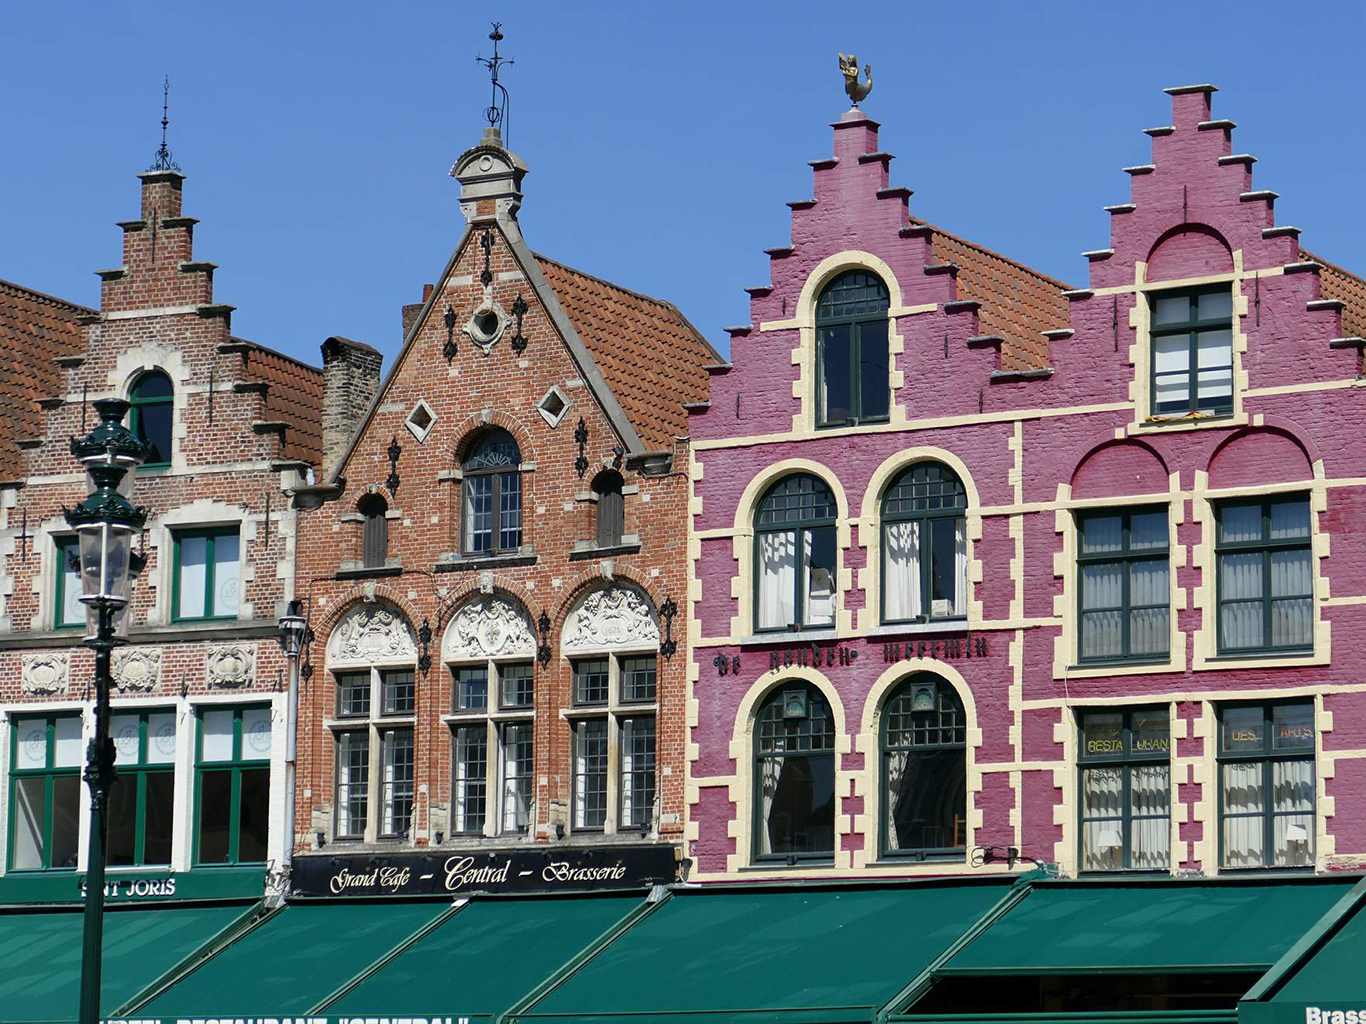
(960, 567)
(770, 768)
(516, 806)
(819, 581)
(1150, 830)
(1102, 795)
(1243, 838)
(897, 761)
(901, 569)
(1293, 787)
(1240, 578)
(777, 579)
(1290, 578)
(1102, 586)
(1149, 628)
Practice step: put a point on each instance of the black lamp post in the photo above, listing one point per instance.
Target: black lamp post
(105, 523)
(294, 635)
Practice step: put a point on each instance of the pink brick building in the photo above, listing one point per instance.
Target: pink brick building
(982, 562)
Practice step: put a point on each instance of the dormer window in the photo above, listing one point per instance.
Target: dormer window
(851, 351)
(153, 412)
(1192, 344)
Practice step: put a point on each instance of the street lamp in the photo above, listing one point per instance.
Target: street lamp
(105, 523)
(294, 635)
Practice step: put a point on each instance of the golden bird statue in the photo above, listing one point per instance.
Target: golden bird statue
(855, 89)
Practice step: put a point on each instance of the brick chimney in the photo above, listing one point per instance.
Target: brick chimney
(490, 179)
(412, 309)
(350, 380)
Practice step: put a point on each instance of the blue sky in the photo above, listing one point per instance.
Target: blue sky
(663, 139)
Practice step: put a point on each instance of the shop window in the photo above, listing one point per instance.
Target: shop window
(152, 416)
(1265, 576)
(1266, 785)
(142, 801)
(794, 546)
(69, 612)
(924, 546)
(46, 755)
(493, 736)
(374, 531)
(852, 379)
(1125, 764)
(1192, 346)
(373, 733)
(794, 776)
(924, 771)
(207, 574)
(1124, 594)
(492, 519)
(232, 785)
(613, 721)
(611, 508)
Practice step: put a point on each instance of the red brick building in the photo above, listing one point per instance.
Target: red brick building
(199, 702)
(493, 564)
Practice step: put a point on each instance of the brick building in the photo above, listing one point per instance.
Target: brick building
(493, 562)
(199, 701)
(982, 562)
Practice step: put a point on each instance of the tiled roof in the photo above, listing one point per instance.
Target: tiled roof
(34, 329)
(295, 397)
(1336, 283)
(650, 355)
(1017, 303)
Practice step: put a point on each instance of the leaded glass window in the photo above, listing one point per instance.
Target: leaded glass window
(1125, 766)
(492, 520)
(1265, 575)
(924, 546)
(924, 770)
(151, 416)
(794, 776)
(795, 555)
(851, 350)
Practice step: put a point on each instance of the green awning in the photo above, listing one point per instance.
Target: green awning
(41, 953)
(1061, 928)
(293, 960)
(485, 957)
(822, 954)
(1336, 970)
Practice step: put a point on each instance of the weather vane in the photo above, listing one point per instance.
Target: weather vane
(849, 67)
(497, 112)
(163, 162)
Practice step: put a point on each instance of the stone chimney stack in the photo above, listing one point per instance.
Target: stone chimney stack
(350, 381)
(490, 180)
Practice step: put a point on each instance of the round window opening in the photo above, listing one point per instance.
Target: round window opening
(486, 325)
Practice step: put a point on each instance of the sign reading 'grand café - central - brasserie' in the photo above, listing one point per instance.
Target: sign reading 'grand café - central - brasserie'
(508, 871)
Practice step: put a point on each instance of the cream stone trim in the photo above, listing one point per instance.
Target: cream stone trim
(202, 512)
(1296, 389)
(133, 362)
(742, 543)
(868, 780)
(1067, 662)
(869, 523)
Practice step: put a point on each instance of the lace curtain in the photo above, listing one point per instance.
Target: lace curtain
(777, 579)
(771, 770)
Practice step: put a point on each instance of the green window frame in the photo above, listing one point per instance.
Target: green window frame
(924, 546)
(65, 578)
(794, 727)
(800, 507)
(1123, 780)
(1268, 810)
(852, 331)
(142, 801)
(1108, 546)
(1265, 575)
(232, 785)
(923, 743)
(54, 827)
(1191, 338)
(149, 399)
(214, 539)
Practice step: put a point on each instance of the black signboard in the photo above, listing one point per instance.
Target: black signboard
(441, 872)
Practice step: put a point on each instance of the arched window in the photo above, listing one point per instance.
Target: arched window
(794, 775)
(924, 770)
(375, 532)
(851, 348)
(794, 544)
(924, 546)
(152, 415)
(492, 520)
(611, 508)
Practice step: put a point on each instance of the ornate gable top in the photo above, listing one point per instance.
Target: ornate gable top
(489, 627)
(370, 633)
(611, 617)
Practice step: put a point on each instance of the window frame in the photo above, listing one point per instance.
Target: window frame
(211, 535)
(135, 406)
(800, 529)
(757, 757)
(65, 545)
(1126, 760)
(1127, 556)
(1267, 756)
(48, 773)
(140, 772)
(236, 766)
(1193, 328)
(1266, 546)
(885, 849)
(373, 725)
(923, 524)
(495, 475)
(855, 322)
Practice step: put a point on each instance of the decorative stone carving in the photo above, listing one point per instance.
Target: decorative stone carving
(489, 627)
(373, 632)
(137, 669)
(611, 617)
(46, 674)
(231, 667)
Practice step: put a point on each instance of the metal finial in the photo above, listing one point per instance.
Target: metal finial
(163, 162)
(497, 112)
(855, 89)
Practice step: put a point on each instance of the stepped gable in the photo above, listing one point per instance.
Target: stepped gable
(1337, 283)
(34, 330)
(650, 355)
(1018, 303)
(295, 396)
